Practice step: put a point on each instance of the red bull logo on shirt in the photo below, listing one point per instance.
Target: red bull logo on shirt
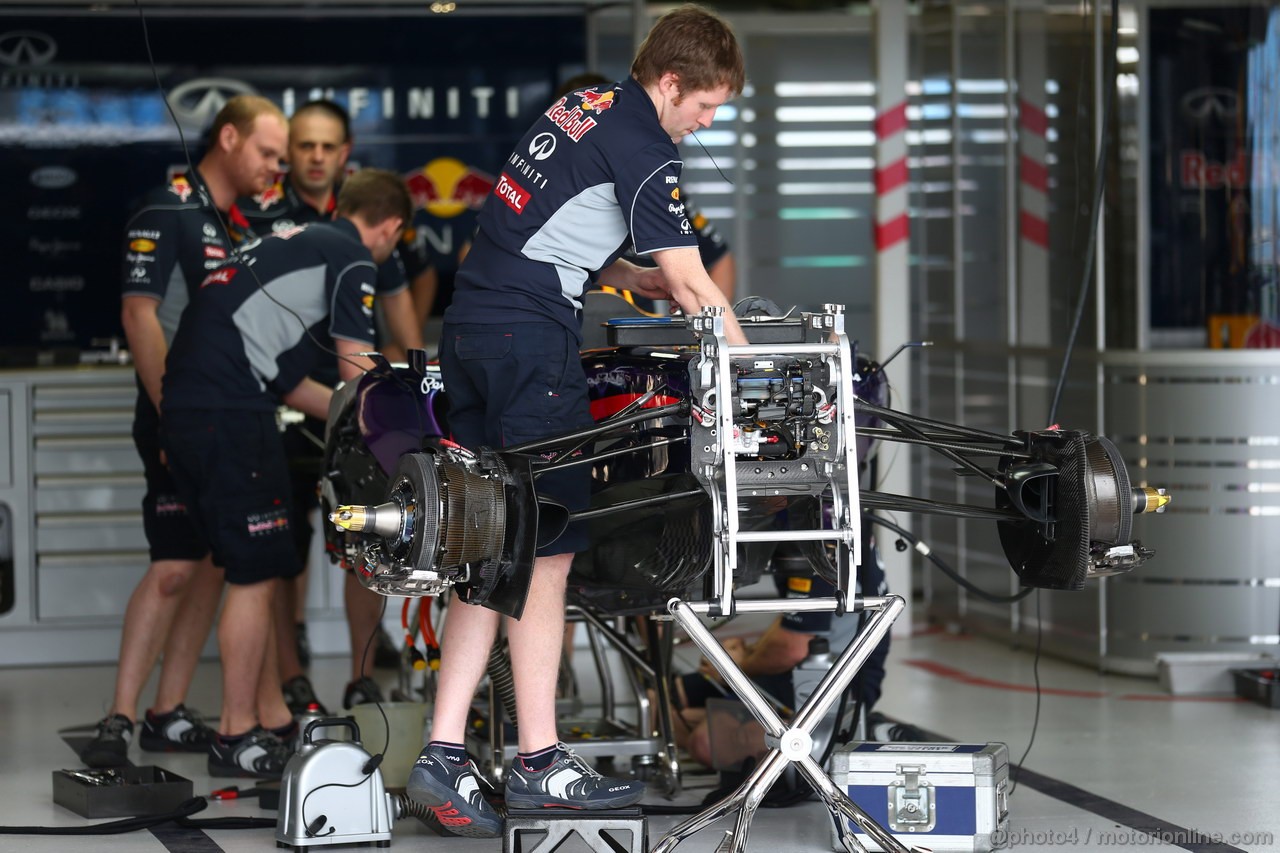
(596, 102)
(574, 122)
(271, 195)
(447, 187)
(181, 187)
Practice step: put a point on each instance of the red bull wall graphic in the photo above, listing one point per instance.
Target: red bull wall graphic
(440, 100)
(1213, 173)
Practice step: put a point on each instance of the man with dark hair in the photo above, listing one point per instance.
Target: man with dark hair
(178, 234)
(598, 171)
(255, 330)
(319, 145)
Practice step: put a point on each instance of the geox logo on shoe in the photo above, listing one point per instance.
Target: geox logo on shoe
(619, 788)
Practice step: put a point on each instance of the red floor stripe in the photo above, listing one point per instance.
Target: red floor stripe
(965, 678)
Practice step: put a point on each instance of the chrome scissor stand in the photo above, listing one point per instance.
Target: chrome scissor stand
(726, 466)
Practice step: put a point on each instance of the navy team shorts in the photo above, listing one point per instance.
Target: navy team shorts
(515, 383)
(231, 469)
(172, 533)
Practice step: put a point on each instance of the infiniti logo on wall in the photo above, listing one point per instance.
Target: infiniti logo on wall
(196, 102)
(53, 177)
(27, 47)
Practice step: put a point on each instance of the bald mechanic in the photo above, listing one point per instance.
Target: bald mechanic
(598, 173)
(248, 342)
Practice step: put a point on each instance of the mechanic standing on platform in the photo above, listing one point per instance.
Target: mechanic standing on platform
(178, 234)
(247, 343)
(599, 172)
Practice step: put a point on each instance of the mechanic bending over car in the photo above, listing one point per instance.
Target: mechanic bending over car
(248, 342)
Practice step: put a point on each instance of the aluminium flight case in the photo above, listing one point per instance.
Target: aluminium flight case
(943, 796)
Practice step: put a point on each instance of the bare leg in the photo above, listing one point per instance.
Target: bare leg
(535, 651)
(286, 628)
(272, 710)
(243, 633)
(300, 598)
(147, 620)
(464, 649)
(187, 635)
(364, 608)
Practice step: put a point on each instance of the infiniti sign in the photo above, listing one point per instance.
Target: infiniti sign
(196, 102)
(27, 47)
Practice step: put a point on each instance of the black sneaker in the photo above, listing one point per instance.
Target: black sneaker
(300, 696)
(361, 692)
(454, 793)
(884, 730)
(110, 744)
(258, 754)
(568, 782)
(180, 730)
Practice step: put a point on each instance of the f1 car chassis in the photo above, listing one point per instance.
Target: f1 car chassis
(702, 451)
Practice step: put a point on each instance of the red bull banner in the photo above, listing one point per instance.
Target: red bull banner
(84, 132)
(1213, 173)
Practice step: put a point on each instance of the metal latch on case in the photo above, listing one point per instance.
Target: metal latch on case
(911, 801)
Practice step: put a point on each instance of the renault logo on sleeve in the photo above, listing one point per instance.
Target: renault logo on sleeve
(542, 146)
(209, 230)
(27, 47)
(196, 102)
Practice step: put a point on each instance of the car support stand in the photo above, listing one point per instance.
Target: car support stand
(788, 744)
(722, 451)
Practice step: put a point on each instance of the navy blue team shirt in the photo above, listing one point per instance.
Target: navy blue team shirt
(595, 175)
(173, 240)
(239, 347)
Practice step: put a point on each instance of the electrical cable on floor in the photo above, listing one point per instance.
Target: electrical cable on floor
(1086, 278)
(1035, 721)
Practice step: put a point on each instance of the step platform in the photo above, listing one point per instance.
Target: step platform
(603, 831)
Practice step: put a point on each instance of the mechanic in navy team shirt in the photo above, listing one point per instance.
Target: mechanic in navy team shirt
(249, 341)
(598, 173)
(320, 143)
(179, 232)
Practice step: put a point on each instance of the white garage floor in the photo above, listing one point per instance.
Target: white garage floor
(1116, 764)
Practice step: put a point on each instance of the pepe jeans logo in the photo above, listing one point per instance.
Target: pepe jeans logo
(27, 47)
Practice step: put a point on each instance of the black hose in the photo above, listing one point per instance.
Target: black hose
(942, 565)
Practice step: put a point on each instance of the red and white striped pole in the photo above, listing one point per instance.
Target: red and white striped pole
(891, 302)
(1033, 181)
